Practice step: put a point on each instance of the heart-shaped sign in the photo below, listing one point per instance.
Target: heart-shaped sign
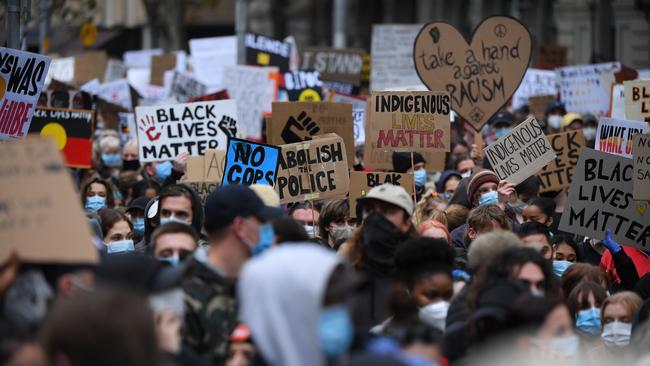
(481, 76)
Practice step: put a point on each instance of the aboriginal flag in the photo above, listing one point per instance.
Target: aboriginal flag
(71, 130)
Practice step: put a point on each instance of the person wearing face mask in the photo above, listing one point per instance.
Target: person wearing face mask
(616, 318)
(555, 112)
(135, 212)
(96, 195)
(590, 123)
(448, 182)
(237, 224)
(108, 158)
(117, 231)
(179, 203)
(539, 209)
(173, 242)
(130, 156)
(572, 122)
(307, 214)
(334, 224)
(402, 163)
(501, 125)
(585, 302)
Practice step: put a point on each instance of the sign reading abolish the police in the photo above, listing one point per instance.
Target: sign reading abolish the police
(558, 174)
(641, 157)
(521, 153)
(250, 163)
(361, 182)
(166, 131)
(614, 136)
(315, 169)
(600, 198)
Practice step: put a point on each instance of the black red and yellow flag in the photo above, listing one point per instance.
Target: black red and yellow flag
(71, 130)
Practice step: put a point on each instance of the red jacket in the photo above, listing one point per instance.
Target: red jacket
(640, 259)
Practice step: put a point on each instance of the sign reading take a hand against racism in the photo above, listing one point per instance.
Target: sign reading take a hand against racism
(165, 131)
(521, 153)
(600, 198)
(641, 158)
(481, 76)
(22, 75)
(558, 174)
(250, 163)
(361, 182)
(614, 136)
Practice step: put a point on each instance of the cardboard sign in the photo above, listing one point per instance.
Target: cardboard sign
(558, 174)
(254, 91)
(302, 121)
(303, 86)
(160, 64)
(126, 127)
(358, 102)
(481, 76)
(392, 57)
(361, 183)
(535, 83)
(617, 103)
(266, 51)
(250, 163)
(521, 153)
(600, 198)
(37, 204)
(88, 66)
(204, 173)
(61, 69)
(72, 131)
(22, 75)
(637, 100)
(551, 56)
(339, 65)
(641, 158)
(115, 70)
(166, 131)
(537, 105)
(313, 170)
(614, 136)
(140, 58)
(210, 55)
(117, 92)
(586, 88)
(185, 87)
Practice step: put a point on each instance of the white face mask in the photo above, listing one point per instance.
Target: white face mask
(555, 121)
(435, 314)
(589, 133)
(309, 229)
(616, 334)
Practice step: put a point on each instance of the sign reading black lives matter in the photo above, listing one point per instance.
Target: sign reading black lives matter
(267, 51)
(168, 130)
(521, 153)
(558, 174)
(600, 198)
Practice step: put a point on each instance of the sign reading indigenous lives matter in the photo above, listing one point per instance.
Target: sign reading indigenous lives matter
(521, 153)
(22, 75)
(558, 173)
(250, 163)
(266, 51)
(600, 198)
(361, 182)
(481, 76)
(315, 169)
(641, 157)
(167, 130)
(614, 136)
(637, 100)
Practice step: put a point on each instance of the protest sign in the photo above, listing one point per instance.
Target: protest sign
(266, 51)
(220, 95)
(165, 131)
(210, 55)
(551, 56)
(117, 92)
(204, 173)
(392, 56)
(315, 169)
(250, 163)
(22, 75)
(72, 131)
(185, 87)
(89, 65)
(362, 182)
(254, 91)
(600, 198)
(558, 173)
(617, 103)
(637, 100)
(535, 83)
(358, 102)
(61, 69)
(160, 64)
(303, 86)
(614, 136)
(115, 70)
(587, 88)
(301, 121)
(537, 105)
(140, 58)
(359, 117)
(521, 153)
(641, 158)
(37, 204)
(481, 76)
(339, 65)
(127, 128)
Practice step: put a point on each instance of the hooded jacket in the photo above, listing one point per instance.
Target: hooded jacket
(281, 297)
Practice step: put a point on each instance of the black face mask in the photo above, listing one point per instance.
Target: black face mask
(380, 241)
(130, 165)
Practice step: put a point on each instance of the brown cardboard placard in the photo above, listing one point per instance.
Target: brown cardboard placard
(215, 162)
(301, 121)
(340, 65)
(204, 173)
(88, 66)
(641, 158)
(37, 204)
(521, 153)
(537, 105)
(637, 100)
(550, 56)
(203, 188)
(313, 170)
(362, 182)
(194, 169)
(160, 64)
(558, 173)
(481, 76)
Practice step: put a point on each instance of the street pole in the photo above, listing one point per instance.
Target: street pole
(338, 23)
(13, 24)
(43, 25)
(240, 30)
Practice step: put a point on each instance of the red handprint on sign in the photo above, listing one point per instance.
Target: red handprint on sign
(148, 126)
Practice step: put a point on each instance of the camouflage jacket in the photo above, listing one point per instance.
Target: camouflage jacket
(210, 309)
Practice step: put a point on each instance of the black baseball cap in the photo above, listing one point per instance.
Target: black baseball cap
(139, 203)
(227, 202)
(502, 117)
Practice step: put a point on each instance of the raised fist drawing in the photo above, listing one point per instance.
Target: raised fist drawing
(148, 126)
(299, 130)
(228, 126)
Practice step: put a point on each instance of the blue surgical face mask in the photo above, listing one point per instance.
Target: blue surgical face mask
(560, 266)
(138, 226)
(172, 218)
(174, 260)
(489, 198)
(335, 331)
(95, 203)
(588, 321)
(163, 170)
(502, 131)
(120, 246)
(111, 160)
(267, 235)
(420, 177)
